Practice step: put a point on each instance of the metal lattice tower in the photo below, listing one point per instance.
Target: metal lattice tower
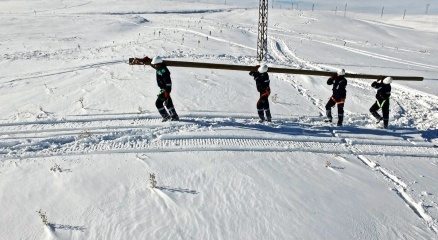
(262, 40)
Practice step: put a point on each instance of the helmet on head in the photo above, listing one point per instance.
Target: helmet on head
(263, 68)
(157, 60)
(387, 80)
(341, 72)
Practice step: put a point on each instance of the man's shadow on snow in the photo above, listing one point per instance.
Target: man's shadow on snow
(291, 128)
(177, 190)
(285, 127)
(430, 134)
(55, 226)
(398, 132)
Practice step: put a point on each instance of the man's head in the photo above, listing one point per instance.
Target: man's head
(156, 61)
(387, 80)
(263, 68)
(341, 72)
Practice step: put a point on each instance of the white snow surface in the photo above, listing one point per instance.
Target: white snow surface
(80, 134)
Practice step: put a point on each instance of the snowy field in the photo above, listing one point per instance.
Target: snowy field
(80, 134)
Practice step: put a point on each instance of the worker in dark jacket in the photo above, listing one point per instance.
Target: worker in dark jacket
(261, 78)
(383, 86)
(165, 84)
(338, 97)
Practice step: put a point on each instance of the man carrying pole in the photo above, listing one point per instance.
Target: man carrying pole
(383, 86)
(164, 82)
(338, 97)
(261, 78)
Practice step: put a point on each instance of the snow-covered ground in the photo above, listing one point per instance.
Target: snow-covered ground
(79, 132)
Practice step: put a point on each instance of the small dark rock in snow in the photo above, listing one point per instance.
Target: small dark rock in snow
(140, 20)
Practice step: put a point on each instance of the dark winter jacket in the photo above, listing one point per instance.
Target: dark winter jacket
(383, 90)
(261, 79)
(339, 86)
(163, 78)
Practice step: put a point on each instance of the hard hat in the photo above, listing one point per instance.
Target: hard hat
(157, 60)
(341, 72)
(263, 68)
(387, 80)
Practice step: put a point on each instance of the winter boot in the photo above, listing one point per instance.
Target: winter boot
(268, 115)
(328, 113)
(164, 114)
(385, 123)
(377, 116)
(173, 115)
(165, 119)
(340, 120)
(175, 118)
(261, 115)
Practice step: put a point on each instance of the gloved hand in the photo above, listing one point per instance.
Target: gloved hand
(374, 84)
(330, 81)
(147, 60)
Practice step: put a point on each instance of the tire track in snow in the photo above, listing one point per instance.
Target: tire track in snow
(401, 188)
(63, 132)
(40, 74)
(66, 133)
(196, 137)
(380, 56)
(176, 145)
(279, 49)
(202, 144)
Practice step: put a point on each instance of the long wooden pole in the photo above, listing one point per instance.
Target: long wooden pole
(170, 63)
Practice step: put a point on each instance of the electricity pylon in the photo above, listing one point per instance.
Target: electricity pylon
(262, 40)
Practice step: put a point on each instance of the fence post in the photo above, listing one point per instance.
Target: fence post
(345, 10)
(404, 14)
(381, 14)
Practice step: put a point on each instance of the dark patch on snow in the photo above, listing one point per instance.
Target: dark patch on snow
(55, 226)
(163, 12)
(140, 20)
(177, 190)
